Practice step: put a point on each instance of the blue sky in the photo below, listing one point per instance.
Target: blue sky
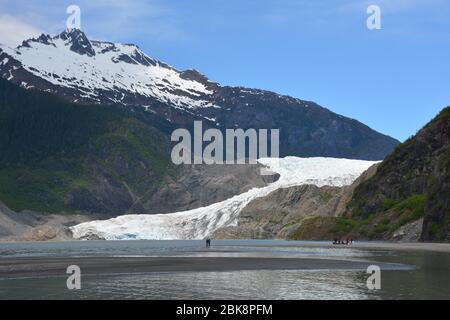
(394, 79)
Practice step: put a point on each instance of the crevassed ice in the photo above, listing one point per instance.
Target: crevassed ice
(201, 222)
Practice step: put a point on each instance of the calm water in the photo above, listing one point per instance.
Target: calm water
(421, 275)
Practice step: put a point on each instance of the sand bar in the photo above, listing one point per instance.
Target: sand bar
(32, 267)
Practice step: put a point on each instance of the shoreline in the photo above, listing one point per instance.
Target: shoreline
(407, 246)
(378, 245)
(375, 245)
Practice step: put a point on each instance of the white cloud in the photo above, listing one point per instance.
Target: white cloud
(13, 30)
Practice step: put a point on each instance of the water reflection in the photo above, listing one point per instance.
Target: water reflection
(430, 279)
(193, 285)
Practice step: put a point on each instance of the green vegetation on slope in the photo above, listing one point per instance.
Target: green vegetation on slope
(56, 156)
(379, 225)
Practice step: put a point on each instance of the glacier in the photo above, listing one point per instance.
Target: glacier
(201, 222)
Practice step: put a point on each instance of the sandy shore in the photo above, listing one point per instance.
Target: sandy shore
(437, 247)
(32, 267)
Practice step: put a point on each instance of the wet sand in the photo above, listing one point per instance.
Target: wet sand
(437, 247)
(47, 267)
(397, 246)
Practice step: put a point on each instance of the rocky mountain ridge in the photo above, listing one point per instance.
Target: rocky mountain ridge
(94, 72)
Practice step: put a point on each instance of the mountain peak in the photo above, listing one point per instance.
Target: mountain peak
(103, 72)
(78, 41)
(73, 32)
(43, 38)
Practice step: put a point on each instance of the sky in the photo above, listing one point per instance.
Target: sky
(394, 79)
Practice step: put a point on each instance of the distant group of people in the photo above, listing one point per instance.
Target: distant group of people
(340, 241)
(346, 241)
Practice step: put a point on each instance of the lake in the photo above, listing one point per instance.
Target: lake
(408, 274)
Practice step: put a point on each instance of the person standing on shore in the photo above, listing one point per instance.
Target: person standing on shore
(208, 242)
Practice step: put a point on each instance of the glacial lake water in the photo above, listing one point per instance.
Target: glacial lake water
(420, 274)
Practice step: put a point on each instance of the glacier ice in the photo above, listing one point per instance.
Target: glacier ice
(201, 222)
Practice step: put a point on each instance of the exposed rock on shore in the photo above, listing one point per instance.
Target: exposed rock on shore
(32, 226)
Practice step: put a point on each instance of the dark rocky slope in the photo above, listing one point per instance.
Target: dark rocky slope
(412, 183)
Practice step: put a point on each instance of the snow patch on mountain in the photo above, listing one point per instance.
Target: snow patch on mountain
(71, 60)
(201, 222)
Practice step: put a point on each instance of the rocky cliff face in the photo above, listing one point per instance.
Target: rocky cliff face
(281, 213)
(413, 183)
(195, 186)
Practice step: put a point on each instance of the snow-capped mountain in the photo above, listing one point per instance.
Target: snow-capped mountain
(101, 72)
(95, 72)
